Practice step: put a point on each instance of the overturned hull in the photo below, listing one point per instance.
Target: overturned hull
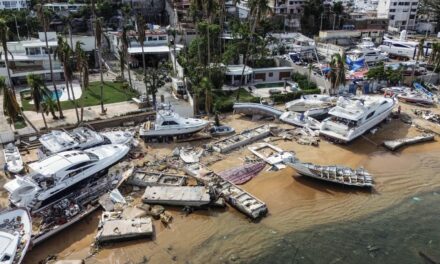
(242, 139)
(180, 196)
(256, 109)
(398, 143)
(113, 229)
(144, 179)
(242, 174)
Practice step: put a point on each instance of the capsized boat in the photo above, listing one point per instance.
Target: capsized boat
(60, 174)
(79, 138)
(300, 119)
(15, 235)
(336, 174)
(221, 130)
(13, 158)
(351, 118)
(169, 123)
(242, 174)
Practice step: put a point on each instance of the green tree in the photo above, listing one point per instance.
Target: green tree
(82, 67)
(141, 39)
(337, 72)
(4, 29)
(36, 84)
(43, 16)
(434, 57)
(98, 39)
(10, 104)
(155, 78)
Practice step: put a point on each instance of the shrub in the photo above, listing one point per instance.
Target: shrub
(283, 98)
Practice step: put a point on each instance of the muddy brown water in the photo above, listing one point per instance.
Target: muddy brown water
(295, 204)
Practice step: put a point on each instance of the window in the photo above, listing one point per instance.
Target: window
(79, 165)
(162, 38)
(270, 74)
(412, 16)
(169, 123)
(413, 10)
(370, 115)
(392, 17)
(392, 10)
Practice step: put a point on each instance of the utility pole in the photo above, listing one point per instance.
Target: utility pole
(320, 27)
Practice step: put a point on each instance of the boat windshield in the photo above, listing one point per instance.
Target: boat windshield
(93, 157)
(344, 121)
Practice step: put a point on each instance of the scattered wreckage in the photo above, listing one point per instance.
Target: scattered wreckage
(397, 143)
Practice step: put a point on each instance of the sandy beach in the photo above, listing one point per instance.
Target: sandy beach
(295, 203)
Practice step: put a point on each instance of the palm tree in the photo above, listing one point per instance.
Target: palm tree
(83, 69)
(36, 84)
(434, 57)
(206, 86)
(43, 17)
(10, 105)
(98, 35)
(3, 38)
(64, 52)
(141, 39)
(337, 72)
(419, 53)
(125, 51)
(258, 9)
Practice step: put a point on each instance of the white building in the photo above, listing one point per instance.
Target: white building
(401, 13)
(156, 44)
(13, 4)
(31, 56)
(64, 7)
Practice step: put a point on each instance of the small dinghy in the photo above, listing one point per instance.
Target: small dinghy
(301, 120)
(219, 131)
(336, 174)
(15, 235)
(13, 158)
(242, 174)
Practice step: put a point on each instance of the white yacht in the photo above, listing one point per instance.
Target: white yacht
(313, 104)
(15, 235)
(351, 118)
(57, 175)
(368, 55)
(169, 123)
(79, 138)
(13, 158)
(366, 43)
(118, 137)
(402, 47)
(300, 120)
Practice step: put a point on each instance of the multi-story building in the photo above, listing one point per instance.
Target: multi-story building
(31, 56)
(291, 10)
(401, 13)
(14, 4)
(366, 21)
(64, 7)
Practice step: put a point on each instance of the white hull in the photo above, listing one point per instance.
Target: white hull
(344, 134)
(304, 170)
(14, 240)
(294, 119)
(172, 131)
(415, 100)
(13, 159)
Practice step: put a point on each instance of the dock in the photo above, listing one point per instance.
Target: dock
(113, 230)
(242, 139)
(180, 196)
(398, 143)
(145, 178)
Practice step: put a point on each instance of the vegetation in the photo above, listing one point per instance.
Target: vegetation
(114, 92)
(380, 73)
(337, 72)
(27, 25)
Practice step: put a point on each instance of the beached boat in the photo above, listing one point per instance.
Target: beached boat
(118, 137)
(13, 158)
(397, 143)
(312, 101)
(415, 97)
(300, 120)
(58, 175)
(190, 155)
(221, 130)
(242, 174)
(15, 235)
(79, 138)
(195, 196)
(353, 117)
(59, 215)
(145, 178)
(170, 124)
(242, 139)
(336, 174)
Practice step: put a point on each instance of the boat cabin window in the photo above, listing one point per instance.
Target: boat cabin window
(169, 123)
(79, 165)
(93, 157)
(344, 121)
(370, 115)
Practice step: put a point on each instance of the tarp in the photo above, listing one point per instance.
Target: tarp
(420, 87)
(354, 65)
